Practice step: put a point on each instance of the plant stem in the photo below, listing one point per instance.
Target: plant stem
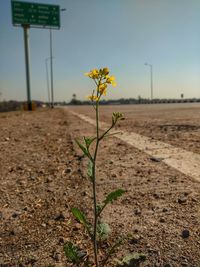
(94, 188)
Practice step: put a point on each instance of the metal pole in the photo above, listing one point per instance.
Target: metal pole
(47, 74)
(51, 66)
(26, 47)
(151, 82)
(151, 78)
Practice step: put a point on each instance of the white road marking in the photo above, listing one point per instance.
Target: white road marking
(182, 160)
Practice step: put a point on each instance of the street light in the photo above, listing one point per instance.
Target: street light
(51, 63)
(47, 76)
(151, 78)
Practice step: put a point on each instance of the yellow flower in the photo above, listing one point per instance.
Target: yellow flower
(102, 88)
(104, 92)
(113, 84)
(93, 98)
(105, 71)
(102, 79)
(110, 79)
(94, 74)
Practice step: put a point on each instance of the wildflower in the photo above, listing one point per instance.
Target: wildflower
(93, 98)
(94, 74)
(113, 84)
(102, 80)
(102, 88)
(111, 80)
(105, 71)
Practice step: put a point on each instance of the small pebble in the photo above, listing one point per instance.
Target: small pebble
(165, 210)
(184, 263)
(12, 232)
(61, 241)
(135, 240)
(77, 227)
(185, 233)
(155, 159)
(56, 256)
(68, 170)
(162, 220)
(137, 211)
(60, 217)
(182, 200)
(49, 180)
(15, 214)
(84, 193)
(156, 195)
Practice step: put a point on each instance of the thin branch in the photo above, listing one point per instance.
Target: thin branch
(102, 136)
(112, 250)
(109, 135)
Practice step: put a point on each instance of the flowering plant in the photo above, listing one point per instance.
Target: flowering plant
(101, 79)
(97, 230)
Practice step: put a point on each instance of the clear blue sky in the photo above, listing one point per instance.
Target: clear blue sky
(119, 34)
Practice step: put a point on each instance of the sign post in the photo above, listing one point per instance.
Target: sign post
(27, 14)
(51, 65)
(26, 48)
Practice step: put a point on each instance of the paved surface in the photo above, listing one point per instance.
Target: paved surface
(182, 160)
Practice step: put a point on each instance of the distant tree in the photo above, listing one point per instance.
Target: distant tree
(75, 101)
(74, 97)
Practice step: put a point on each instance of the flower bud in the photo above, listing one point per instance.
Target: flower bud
(105, 71)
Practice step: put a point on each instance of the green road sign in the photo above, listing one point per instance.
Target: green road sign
(35, 14)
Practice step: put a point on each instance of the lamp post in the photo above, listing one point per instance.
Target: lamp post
(47, 77)
(51, 63)
(151, 78)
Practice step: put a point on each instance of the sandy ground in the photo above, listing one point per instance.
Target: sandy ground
(176, 124)
(43, 175)
(184, 161)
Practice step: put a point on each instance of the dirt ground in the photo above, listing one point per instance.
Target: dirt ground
(43, 176)
(176, 124)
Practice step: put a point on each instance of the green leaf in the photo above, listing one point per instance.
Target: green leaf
(103, 230)
(82, 219)
(84, 149)
(116, 116)
(88, 141)
(99, 208)
(73, 253)
(89, 169)
(113, 196)
(79, 216)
